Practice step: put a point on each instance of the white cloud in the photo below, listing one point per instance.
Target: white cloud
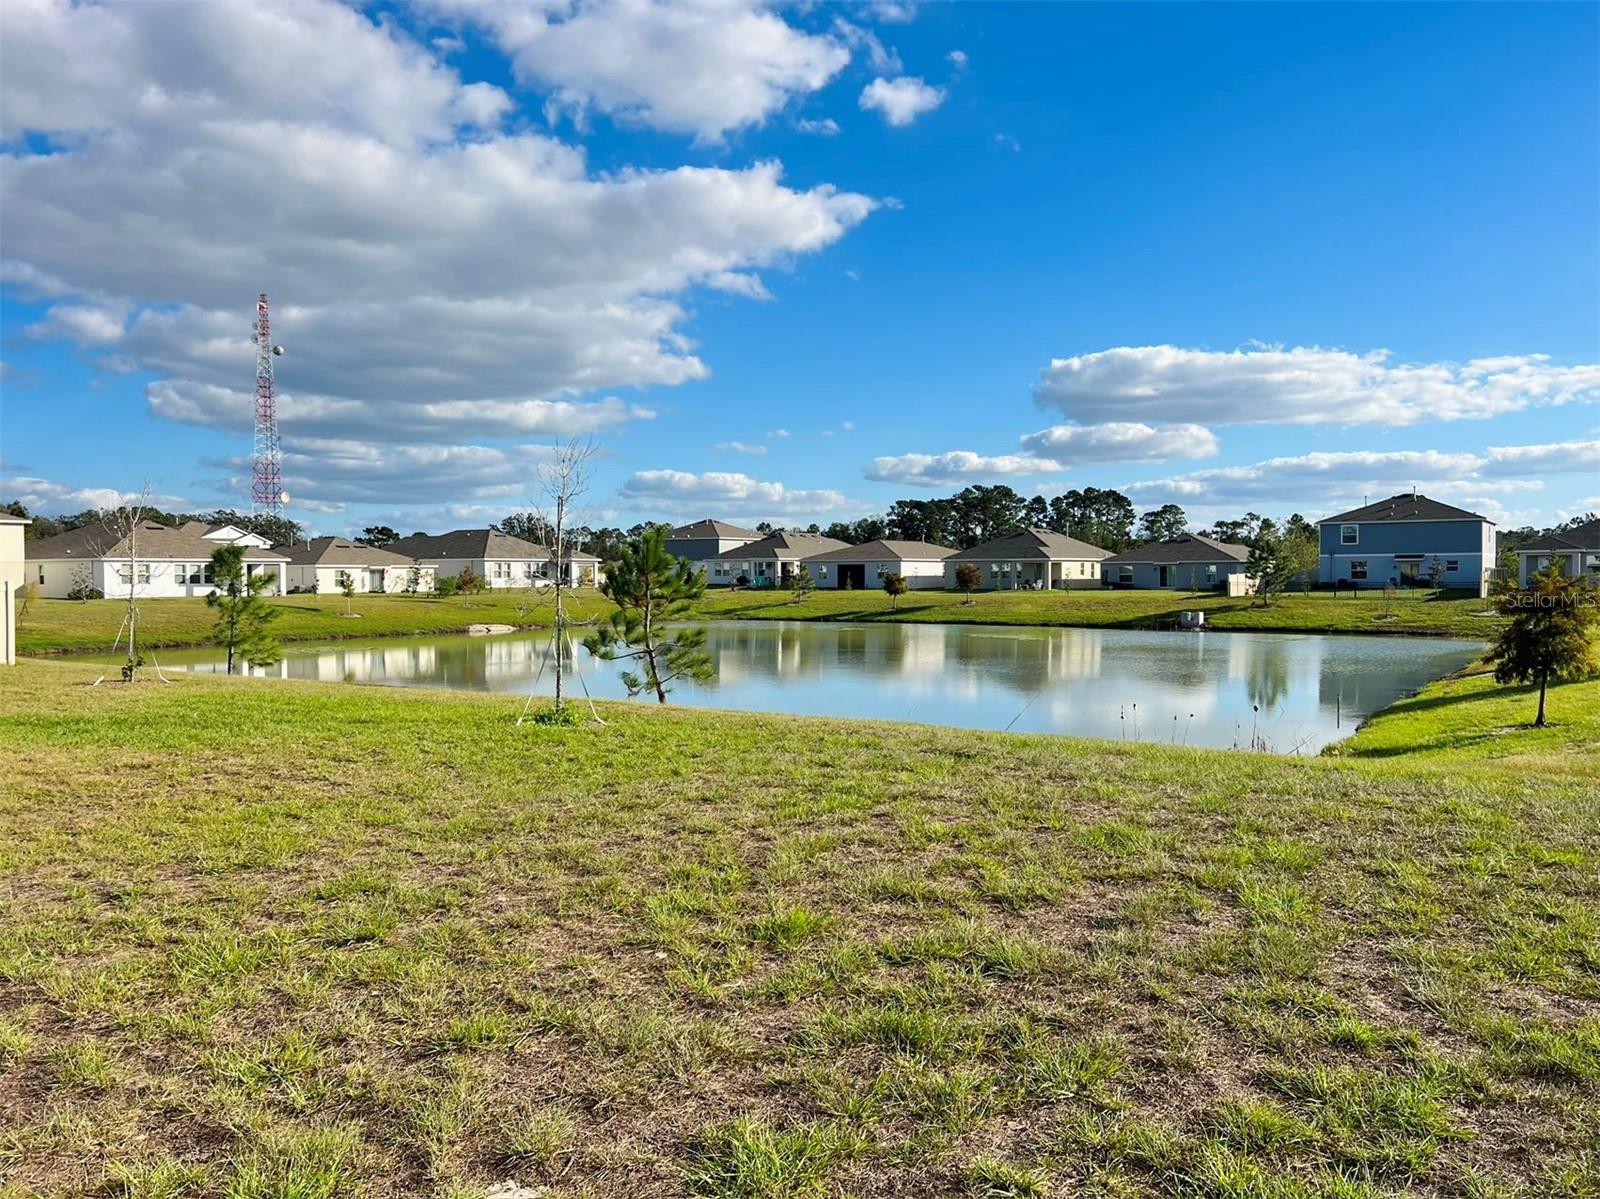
(678, 491)
(45, 497)
(958, 59)
(1328, 481)
(902, 100)
(826, 127)
(1121, 441)
(739, 283)
(956, 466)
(1304, 385)
(740, 447)
(892, 12)
(1559, 457)
(703, 67)
(432, 275)
(778, 435)
(1008, 142)
(86, 324)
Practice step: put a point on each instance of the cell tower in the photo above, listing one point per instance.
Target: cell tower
(266, 455)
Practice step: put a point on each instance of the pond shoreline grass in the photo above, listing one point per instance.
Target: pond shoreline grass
(71, 626)
(261, 938)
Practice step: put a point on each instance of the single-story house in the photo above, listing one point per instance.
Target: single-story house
(13, 568)
(857, 567)
(1191, 562)
(769, 562)
(1578, 550)
(1035, 559)
(497, 558)
(705, 541)
(155, 560)
(1405, 540)
(322, 564)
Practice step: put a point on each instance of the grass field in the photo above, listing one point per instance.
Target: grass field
(264, 940)
(56, 626)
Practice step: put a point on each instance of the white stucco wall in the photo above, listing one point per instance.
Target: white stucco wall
(152, 579)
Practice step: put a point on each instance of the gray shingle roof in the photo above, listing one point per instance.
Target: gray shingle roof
(487, 544)
(904, 551)
(1584, 537)
(339, 551)
(710, 528)
(1191, 547)
(788, 546)
(156, 542)
(1405, 506)
(1039, 544)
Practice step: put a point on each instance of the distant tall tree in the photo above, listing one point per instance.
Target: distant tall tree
(278, 530)
(526, 526)
(241, 627)
(1237, 532)
(765, 528)
(894, 586)
(984, 513)
(652, 589)
(1038, 513)
(1166, 523)
(969, 578)
(377, 535)
(1100, 516)
(1551, 634)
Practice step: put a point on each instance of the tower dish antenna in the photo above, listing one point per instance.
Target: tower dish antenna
(267, 495)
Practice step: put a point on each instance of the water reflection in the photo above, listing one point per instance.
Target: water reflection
(1296, 693)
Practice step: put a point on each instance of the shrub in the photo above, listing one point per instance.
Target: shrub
(86, 591)
(444, 585)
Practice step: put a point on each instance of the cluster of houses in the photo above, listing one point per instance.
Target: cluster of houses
(158, 560)
(1407, 539)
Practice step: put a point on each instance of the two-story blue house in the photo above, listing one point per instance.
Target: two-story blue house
(1405, 540)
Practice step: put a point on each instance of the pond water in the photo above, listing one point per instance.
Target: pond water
(1285, 692)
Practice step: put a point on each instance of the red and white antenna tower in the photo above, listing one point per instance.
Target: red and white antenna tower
(266, 455)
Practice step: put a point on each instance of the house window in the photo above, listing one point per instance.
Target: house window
(342, 579)
(1451, 565)
(1211, 570)
(1349, 534)
(192, 573)
(822, 571)
(1124, 574)
(882, 570)
(41, 576)
(1358, 568)
(125, 573)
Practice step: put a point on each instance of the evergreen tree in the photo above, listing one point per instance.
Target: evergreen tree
(1551, 634)
(244, 616)
(651, 589)
(894, 585)
(969, 578)
(802, 585)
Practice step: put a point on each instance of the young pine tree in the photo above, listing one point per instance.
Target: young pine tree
(243, 615)
(969, 578)
(802, 586)
(1551, 634)
(651, 588)
(894, 586)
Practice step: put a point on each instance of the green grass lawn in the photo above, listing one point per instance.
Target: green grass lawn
(55, 626)
(262, 940)
(67, 626)
(1471, 716)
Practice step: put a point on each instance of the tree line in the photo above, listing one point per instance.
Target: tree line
(279, 530)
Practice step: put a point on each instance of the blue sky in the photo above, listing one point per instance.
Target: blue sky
(1281, 256)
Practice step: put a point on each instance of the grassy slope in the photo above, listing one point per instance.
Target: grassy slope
(64, 625)
(1470, 716)
(261, 938)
